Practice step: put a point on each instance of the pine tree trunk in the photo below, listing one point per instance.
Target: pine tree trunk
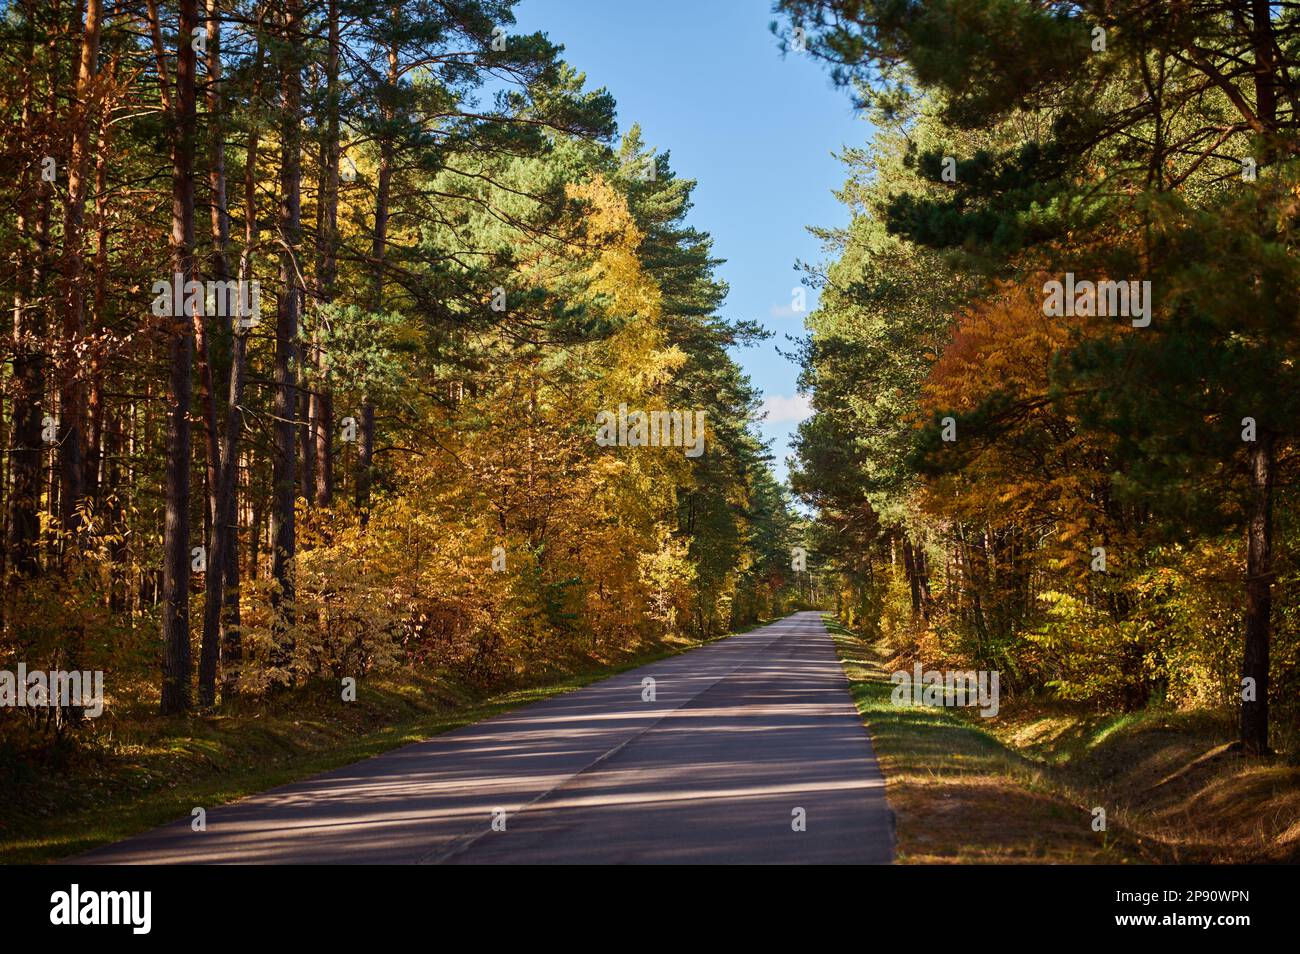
(95, 408)
(217, 514)
(304, 437)
(176, 526)
(72, 396)
(379, 245)
(922, 579)
(321, 411)
(1262, 455)
(1259, 594)
(231, 644)
(913, 579)
(28, 365)
(365, 458)
(284, 477)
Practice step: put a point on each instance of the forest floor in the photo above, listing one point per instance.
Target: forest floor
(133, 770)
(1021, 787)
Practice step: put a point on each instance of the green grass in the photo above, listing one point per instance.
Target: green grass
(1021, 787)
(959, 794)
(128, 775)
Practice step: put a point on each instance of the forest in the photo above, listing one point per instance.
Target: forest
(374, 399)
(1054, 368)
(317, 308)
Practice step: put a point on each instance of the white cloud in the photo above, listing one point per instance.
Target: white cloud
(786, 410)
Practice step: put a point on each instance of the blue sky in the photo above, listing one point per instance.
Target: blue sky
(707, 84)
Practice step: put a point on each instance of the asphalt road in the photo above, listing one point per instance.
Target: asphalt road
(743, 737)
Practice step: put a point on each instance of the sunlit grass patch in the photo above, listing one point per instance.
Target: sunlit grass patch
(1021, 787)
(959, 795)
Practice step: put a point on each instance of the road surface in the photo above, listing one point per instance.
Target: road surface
(743, 740)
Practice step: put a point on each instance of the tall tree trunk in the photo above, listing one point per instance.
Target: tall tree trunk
(1259, 594)
(321, 410)
(365, 458)
(72, 400)
(176, 526)
(118, 601)
(378, 248)
(217, 515)
(913, 580)
(283, 537)
(1262, 454)
(231, 644)
(95, 409)
(322, 423)
(72, 391)
(922, 578)
(28, 360)
(215, 537)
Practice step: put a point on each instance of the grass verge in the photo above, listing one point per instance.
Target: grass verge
(1021, 788)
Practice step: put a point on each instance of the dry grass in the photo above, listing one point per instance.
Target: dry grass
(1021, 787)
